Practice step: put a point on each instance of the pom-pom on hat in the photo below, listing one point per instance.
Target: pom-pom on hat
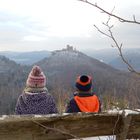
(36, 78)
(83, 83)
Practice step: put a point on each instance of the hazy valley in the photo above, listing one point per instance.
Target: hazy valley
(108, 56)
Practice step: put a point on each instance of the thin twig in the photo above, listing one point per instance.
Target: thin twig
(115, 126)
(102, 31)
(56, 130)
(117, 45)
(110, 14)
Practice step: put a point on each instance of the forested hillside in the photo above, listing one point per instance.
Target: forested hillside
(11, 84)
(64, 66)
(61, 69)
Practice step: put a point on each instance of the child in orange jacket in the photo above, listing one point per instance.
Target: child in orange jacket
(84, 99)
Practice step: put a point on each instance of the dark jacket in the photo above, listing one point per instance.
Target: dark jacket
(74, 106)
(41, 103)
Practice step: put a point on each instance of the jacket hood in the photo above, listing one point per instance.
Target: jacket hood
(34, 97)
(87, 104)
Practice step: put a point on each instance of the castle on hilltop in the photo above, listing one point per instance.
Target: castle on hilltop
(68, 48)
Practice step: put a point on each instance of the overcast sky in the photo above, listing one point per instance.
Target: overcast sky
(30, 25)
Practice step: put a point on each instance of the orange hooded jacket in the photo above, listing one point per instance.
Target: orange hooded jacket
(88, 104)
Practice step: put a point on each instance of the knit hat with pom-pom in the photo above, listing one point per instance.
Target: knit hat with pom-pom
(84, 83)
(36, 78)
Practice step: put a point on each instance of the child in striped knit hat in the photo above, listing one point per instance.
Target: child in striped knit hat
(35, 98)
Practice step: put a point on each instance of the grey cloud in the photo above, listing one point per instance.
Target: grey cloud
(14, 28)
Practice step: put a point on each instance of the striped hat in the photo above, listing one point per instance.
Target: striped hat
(36, 78)
(83, 83)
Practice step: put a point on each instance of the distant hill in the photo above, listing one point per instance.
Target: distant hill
(132, 57)
(62, 67)
(103, 55)
(26, 58)
(111, 57)
(108, 56)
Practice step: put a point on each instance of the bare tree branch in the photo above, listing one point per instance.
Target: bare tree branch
(110, 14)
(111, 36)
(102, 32)
(56, 130)
(117, 45)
